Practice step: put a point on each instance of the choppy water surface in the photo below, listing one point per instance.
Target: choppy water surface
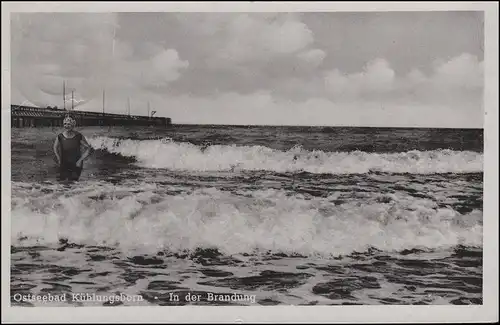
(291, 215)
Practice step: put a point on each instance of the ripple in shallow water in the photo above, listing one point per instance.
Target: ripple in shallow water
(418, 277)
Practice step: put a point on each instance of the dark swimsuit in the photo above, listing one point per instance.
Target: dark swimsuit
(70, 153)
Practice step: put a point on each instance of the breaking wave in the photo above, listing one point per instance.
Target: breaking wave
(149, 219)
(186, 156)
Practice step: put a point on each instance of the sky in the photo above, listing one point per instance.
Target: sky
(390, 69)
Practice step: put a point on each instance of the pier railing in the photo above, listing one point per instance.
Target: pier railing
(27, 116)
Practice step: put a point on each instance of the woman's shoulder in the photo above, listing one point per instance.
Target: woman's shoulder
(76, 133)
(79, 135)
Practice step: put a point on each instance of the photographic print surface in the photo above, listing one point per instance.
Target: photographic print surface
(255, 159)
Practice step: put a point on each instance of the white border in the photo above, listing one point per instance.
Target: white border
(488, 312)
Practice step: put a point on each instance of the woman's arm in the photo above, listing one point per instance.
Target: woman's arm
(57, 149)
(87, 150)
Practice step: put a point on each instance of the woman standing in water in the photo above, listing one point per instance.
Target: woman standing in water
(68, 149)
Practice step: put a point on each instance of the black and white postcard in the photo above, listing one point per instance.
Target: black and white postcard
(253, 161)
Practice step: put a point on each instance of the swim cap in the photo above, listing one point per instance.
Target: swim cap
(70, 120)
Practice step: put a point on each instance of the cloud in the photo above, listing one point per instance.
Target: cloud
(377, 77)
(232, 51)
(464, 71)
(314, 56)
(450, 82)
(229, 40)
(165, 67)
(82, 50)
(50, 48)
(156, 71)
(457, 82)
(259, 37)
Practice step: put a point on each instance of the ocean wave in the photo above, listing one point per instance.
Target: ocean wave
(146, 220)
(185, 156)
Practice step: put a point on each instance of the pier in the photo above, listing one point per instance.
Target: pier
(27, 116)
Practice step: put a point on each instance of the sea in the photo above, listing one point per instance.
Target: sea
(250, 215)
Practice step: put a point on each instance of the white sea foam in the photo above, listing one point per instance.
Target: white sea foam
(186, 156)
(148, 220)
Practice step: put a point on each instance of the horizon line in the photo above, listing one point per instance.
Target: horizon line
(329, 126)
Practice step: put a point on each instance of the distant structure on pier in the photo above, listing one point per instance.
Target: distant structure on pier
(27, 116)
